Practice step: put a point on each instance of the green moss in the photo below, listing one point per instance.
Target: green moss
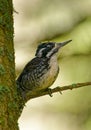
(4, 89)
(12, 105)
(3, 5)
(1, 20)
(2, 69)
(74, 85)
(6, 18)
(12, 70)
(10, 57)
(12, 121)
(1, 51)
(2, 121)
(13, 124)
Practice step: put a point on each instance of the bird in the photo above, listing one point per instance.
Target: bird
(41, 72)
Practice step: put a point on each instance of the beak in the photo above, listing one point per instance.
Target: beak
(59, 45)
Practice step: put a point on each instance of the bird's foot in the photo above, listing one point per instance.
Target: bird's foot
(50, 92)
(59, 90)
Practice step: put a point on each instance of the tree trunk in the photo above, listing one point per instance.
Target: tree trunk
(10, 108)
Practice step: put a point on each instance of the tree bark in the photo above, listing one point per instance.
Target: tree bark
(9, 105)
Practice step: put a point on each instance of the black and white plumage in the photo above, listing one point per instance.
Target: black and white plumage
(41, 72)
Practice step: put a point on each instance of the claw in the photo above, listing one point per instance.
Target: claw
(59, 90)
(50, 92)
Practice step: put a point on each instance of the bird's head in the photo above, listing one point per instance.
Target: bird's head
(48, 49)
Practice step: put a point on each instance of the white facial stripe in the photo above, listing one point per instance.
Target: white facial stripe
(50, 53)
(40, 52)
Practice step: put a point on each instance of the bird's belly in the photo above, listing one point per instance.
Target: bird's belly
(48, 80)
(49, 77)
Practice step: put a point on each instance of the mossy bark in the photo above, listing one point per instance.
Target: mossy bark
(10, 108)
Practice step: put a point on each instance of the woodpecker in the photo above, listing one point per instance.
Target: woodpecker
(41, 72)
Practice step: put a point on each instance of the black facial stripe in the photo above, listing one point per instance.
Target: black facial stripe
(44, 48)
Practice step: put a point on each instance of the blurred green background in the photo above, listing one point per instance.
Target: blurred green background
(56, 20)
